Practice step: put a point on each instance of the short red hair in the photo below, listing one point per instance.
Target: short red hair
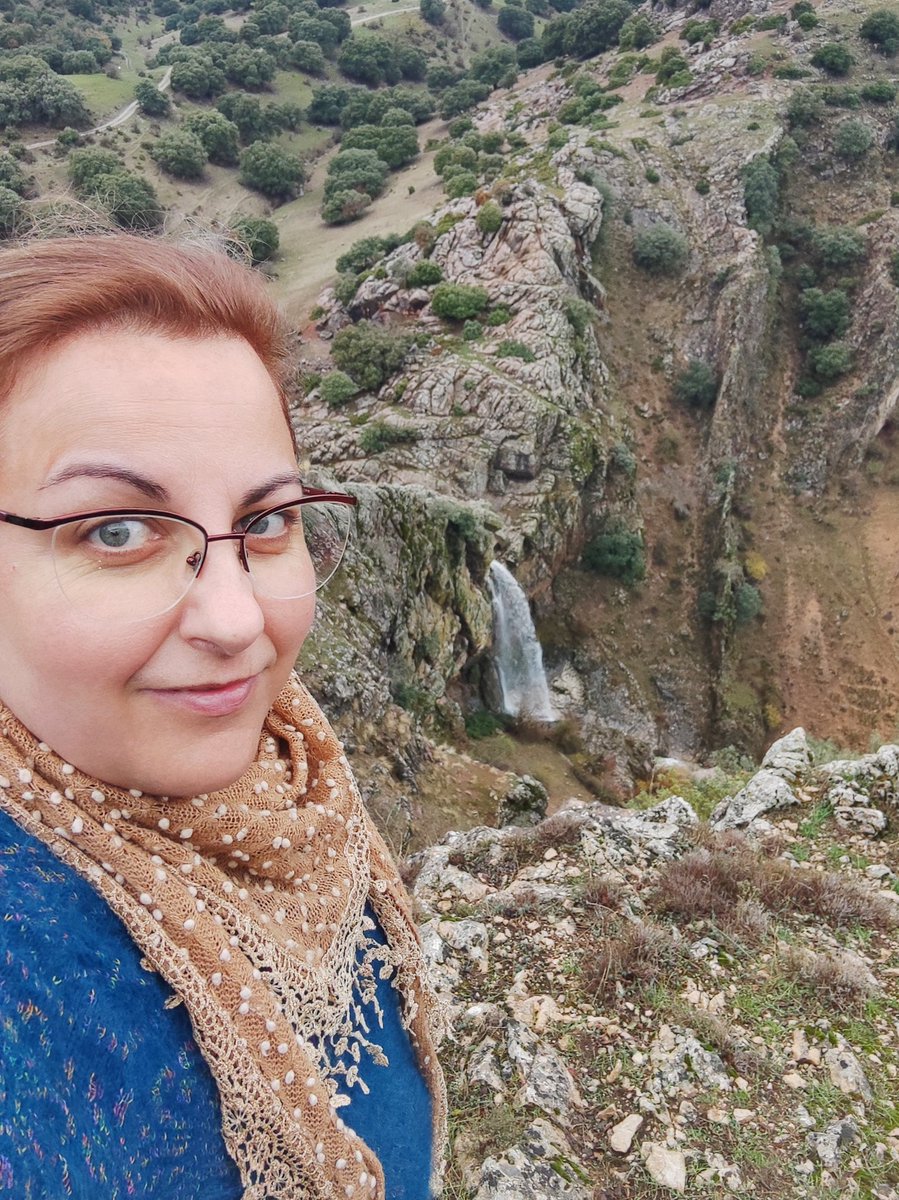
(55, 288)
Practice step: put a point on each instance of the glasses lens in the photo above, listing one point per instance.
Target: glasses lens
(294, 551)
(126, 567)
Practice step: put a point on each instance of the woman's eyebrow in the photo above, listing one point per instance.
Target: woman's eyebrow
(286, 479)
(106, 471)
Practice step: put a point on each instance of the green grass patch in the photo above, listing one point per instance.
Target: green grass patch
(104, 95)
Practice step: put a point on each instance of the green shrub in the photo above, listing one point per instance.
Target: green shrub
(697, 384)
(881, 28)
(831, 361)
(748, 603)
(461, 184)
(894, 266)
(489, 218)
(881, 92)
(660, 250)
(471, 331)
(579, 314)
(346, 286)
(337, 389)
(424, 274)
(482, 724)
(365, 253)
(512, 349)
(805, 108)
(458, 301)
(370, 353)
(651, 175)
(260, 236)
(378, 436)
(838, 245)
(841, 97)
(497, 316)
(808, 20)
(824, 314)
(446, 223)
(771, 21)
(703, 187)
(618, 552)
(832, 57)
(853, 140)
(761, 194)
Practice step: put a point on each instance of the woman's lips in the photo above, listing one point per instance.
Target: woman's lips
(209, 700)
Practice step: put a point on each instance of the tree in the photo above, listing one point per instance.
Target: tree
(197, 78)
(254, 120)
(697, 385)
(881, 28)
(260, 236)
(11, 174)
(305, 28)
(307, 56)
(150, 100)
(838, 245)
(269, 169)
(356, 170)
(181, 154)
(637, 32)
(458, 301)
(661, 250)
(516, 23)
(462, 96)
(395, 145)
(425, 273)
(87, 165)
(218, 136)
(761, 194)
(337, 389)
(618, 552)
(832, 57)
(129, 199)
(497, 66)
(343, 204)
(249, 68)
(11, 212)
(529, 53)
(595, 27)
(369, 353)
(79, 62)
(432, 11)
(369, 58)
(825, 314)
(328, 103)
(831, 361)
(853, 140)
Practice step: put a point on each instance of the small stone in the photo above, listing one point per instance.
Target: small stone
(719, 1116)
(622, 1136)
(846, 1073)
(742, 1115)
(667, 1168)
(794, 1080)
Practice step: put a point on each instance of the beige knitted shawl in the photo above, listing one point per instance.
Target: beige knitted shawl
(249, 903)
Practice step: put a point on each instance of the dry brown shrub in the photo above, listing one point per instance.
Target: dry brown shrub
(735, 1048)
(635, 952)
(602, 892)
(723, 880)
(838, 978)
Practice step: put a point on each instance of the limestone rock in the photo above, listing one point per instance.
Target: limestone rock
(681, 1063)
(789, 756)
(666, 1167)
(847, 1073)
(870, 822)
(540, 1167)
(468, 938)
(546, 1081)
(525, 803)
(623, 1134)
(766, 791)
(829, 1145)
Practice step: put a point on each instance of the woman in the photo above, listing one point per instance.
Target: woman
(211, 985)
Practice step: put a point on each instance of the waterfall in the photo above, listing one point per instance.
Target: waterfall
(517, 653)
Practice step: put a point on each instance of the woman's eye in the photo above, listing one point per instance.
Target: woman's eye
(120, 534)
(272, 525)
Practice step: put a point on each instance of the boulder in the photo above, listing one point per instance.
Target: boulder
(525, 803)
(765, 792)
(790, 756)
(541, 1166)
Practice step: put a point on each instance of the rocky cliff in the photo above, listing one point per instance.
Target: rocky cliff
(763, 512)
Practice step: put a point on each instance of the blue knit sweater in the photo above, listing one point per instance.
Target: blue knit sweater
(104, 1094)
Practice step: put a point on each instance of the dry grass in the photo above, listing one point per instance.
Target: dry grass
(628, 954)
(837, 978)
(736, 887)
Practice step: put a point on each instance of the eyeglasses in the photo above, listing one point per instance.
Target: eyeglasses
(125, 565)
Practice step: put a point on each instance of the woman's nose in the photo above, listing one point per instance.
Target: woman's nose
(221, 607)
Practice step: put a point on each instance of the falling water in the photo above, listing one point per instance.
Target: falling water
(517, 653)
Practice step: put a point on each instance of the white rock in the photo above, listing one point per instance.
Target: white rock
(667, 1168)
(846, 1072)
(622, 1136)
(766, 791)
(789, 756)
(530, 1170)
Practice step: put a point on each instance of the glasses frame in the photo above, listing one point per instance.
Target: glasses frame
(310, 495)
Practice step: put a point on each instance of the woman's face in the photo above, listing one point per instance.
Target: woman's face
(173, 705)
